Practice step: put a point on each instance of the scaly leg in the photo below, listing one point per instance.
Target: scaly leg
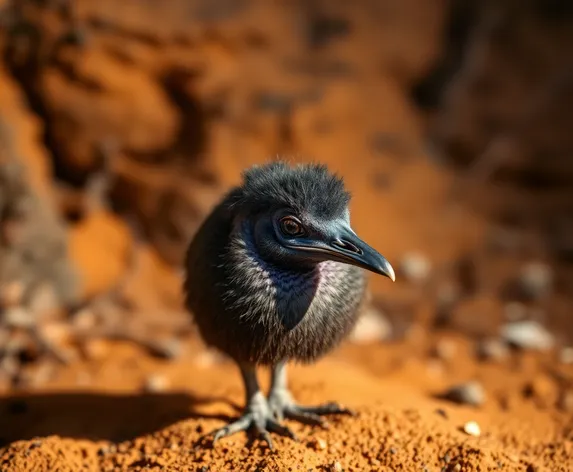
(257, 416)
(283, 405)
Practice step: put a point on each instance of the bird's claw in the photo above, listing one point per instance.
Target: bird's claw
(257, 419)
(283, 406)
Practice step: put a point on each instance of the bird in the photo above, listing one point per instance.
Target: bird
(276, 274)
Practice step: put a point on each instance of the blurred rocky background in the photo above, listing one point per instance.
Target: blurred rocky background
(123, 122)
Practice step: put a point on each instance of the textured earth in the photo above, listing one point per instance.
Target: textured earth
(121, 123)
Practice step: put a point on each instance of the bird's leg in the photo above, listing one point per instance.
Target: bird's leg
(283, 405)
(257, 416)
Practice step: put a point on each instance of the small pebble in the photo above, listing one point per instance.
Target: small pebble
(372, 326)
(169, 348)
(18, 317)
(415, 267)
(472, 428)
(156, 383)
(84, 319)
(321, 444)
(207, 358)
(535, 280)
(337, 467)
(492, 349)
(527, 335)
(470, 393)
(566, 355)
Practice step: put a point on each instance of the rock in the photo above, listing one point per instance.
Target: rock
(535, 280)
(169, 348)
(207, 358)
(336, 467)
(156, 383)
(470, 393)
(527, 335)
(18, 317)
(372, 326)
(472, 428)
(415, 267)
(318, 444)
(84, 320)
(492, 349)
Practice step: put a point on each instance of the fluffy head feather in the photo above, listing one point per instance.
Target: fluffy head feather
(304, 187)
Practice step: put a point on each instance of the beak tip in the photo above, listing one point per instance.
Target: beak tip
(388, 271)
(391, 273)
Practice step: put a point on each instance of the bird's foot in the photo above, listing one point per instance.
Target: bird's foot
(283, 406)
(258, 419)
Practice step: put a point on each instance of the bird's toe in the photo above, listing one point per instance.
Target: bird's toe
(242, 424)
(311, 419)
(275, 427)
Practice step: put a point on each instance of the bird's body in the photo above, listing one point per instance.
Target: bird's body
(275, 274)
(261, 312)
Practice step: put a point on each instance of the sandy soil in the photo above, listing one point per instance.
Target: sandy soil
(132, 119)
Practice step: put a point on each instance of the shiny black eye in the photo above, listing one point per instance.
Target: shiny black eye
(291, 226)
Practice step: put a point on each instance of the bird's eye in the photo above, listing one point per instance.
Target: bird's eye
(291, 227)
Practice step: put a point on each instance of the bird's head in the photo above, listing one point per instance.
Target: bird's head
(298, 216)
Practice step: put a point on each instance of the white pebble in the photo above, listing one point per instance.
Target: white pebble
(18, 317)
(156, 383)
(527, 335)
(415, 267)
(472, 428)
(492, 349)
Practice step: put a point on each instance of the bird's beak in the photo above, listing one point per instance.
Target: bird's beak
(348, 247)
(343, 245)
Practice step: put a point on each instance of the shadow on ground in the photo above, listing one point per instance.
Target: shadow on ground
(97, 416)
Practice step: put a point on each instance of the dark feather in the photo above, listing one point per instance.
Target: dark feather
(304, 187)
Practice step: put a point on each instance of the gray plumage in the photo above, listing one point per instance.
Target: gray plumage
(266, 297)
